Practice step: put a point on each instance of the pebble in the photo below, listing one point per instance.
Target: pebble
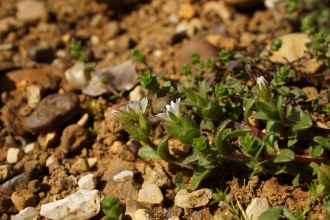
(6, 205)
(157, 176)
(294, 47)
(48, 139)
(14, 155)
(81, 165)
(257, 207)
(31, 12)
(83, 120)
(26, 214)
(142, 214)
(7, 171)
(186, 11)
(83, 204)
(29, 148)
(202, 47)
(194, 26)
(195, 199)
(123, 176)
(111, 30)
(19, 182)
(52, 111)
(222, 10)
(77, 76)
(23, 198)
(87, 182)
(74, 138)
(219, 41)
(52, 163)
(68, 182)
(132, 207)
(34, 185)
(150, 193)
(40, 53)
(92, 161)
(33, 93)
(136, 94)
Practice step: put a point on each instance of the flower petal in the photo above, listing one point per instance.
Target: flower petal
(144, 103)
(164, 116)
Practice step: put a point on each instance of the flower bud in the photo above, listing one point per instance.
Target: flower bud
(263, 88)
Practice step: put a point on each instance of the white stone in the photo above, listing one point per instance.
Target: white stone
(87, 182)
(150, 193)
(198, 198)
(131, 207)
(257, 207)
(77, 76)
(33, 95)
(142, 214)
(26, 214)
(14, 155)
(29, 147)
(123, 176)
(81, 205)
(51, 159)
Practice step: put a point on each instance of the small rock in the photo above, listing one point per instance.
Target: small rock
(132, 207)
(48, 139)
(52, 163)
(111, 30)
(40, 53)
(186, 11)
(92, 161)
(87, 182)
(9, 24)
(11, 142)
(198, 198)
(136, 94)
(294, 47)
(194, 26)
(6, 205)
(14, 155)
(60, 65)
(81, 165)
(23, 198)
(83, 204)
(123, 176)
(202, 47)
(142, 214)
(26, 214)
(219, 41)
(77, 76)
(68, 182)
(157, 176)
(52, 111)
(34, 186)
(219, 8)
(31, 12)
(7, 171)
(257, 207)
(19, 182)
(29, 148)
(83, 120)
(74, 138)
(151, 193)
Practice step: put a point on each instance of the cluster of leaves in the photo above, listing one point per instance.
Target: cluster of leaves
(111, 208)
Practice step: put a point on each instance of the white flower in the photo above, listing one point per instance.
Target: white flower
(172, 114)
(132, 109)
(262, 82)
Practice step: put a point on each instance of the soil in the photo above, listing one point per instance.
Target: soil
(37, 53)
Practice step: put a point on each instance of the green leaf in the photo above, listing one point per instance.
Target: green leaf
(190, 159)
(271, 214)
(316, 151)
(286, 155)
(148, 82)
(192, 95)
(304, 123)
(202, 90)
(187, 137)
(197, 178)
(295, 181)
(187, 123)
(178, 181)
(149, 152)
(218, 137)
(111, 208)
(323, 177)
(247, 104)
(287, 213)
(211, 111)
(172, 130)
(162, 148)
(324, 142)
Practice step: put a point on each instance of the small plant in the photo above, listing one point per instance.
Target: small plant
(111, 208)
(76, 51)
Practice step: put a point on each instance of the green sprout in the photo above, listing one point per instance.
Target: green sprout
(111, 208)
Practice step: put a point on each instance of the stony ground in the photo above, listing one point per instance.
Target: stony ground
(54, 133)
